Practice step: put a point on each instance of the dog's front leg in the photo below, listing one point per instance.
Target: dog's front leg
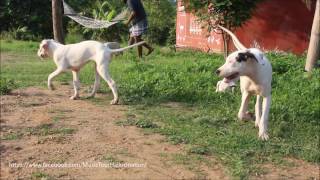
(263, 125)
(258, 110)
(51, 76)
(76, 85)
(243, 114)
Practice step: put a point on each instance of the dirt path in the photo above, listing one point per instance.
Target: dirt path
(40, 127)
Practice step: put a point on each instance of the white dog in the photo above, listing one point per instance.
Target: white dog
(255, 73)
(74, 56)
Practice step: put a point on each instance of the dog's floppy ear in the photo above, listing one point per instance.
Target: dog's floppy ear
(244, 56)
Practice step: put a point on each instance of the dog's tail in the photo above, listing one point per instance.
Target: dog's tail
(235, 40)
(125, 48)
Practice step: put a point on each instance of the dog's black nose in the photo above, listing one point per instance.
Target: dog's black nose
(218, 72)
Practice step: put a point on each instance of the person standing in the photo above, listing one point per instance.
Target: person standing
(139, 24)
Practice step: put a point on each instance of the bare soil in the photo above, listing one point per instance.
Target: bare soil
(41, 127)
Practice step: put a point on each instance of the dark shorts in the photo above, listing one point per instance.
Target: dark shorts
(139, 28)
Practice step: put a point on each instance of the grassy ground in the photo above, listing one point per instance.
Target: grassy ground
(173, 94)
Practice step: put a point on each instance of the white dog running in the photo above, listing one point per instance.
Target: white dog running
(255, 73)
(75, 56)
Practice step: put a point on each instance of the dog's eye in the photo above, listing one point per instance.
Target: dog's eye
(241, 57)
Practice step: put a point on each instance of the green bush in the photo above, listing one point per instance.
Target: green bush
(73, 38)
(161, 19)
(171, 41)
(21, 33)
(232, 13)
(6, 85)
(28, 20)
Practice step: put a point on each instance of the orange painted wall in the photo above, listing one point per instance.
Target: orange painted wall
(276, 25)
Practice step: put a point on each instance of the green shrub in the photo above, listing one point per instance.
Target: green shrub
(6, 85)
(20, 33)
(144, 123)
(73, 38)
(24, 20)
(161, 19)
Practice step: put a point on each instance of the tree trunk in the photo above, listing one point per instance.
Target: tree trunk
(225, 45)
(57, 20)
(314, 45)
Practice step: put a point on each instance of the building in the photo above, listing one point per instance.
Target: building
(283, 25)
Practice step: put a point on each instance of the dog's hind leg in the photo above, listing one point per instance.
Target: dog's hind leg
(51, 76)
(104, 73)
(263, 125)
(258, 110)
(76, 85)
(96, 83)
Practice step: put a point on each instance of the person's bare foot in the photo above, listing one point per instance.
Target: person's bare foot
(150, 51)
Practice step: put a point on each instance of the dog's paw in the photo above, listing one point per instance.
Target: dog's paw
(74, 97)
(256, 124)
(248, 116)
(114, 102)
(263, 136)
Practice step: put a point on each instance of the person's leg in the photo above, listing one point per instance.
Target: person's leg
(146, 45)
(131, 40)
(150, 49)
(138, 39)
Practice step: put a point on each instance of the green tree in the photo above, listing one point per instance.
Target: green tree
(228, 13)
(33, 17)
(161, 18)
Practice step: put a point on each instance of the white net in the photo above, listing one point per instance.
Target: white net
(90, 22)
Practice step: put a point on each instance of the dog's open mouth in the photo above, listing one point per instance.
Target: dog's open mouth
(231, 77)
